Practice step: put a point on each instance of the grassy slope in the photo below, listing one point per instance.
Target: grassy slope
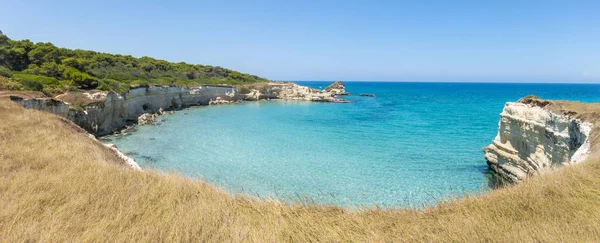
(58, 185)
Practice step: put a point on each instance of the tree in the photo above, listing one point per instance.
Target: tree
(17, 58)
(81, 80)
(50, 69)
(84, 68)
(73, 62)
(43, 52)
(4, 40)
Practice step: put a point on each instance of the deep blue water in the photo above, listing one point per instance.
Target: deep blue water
(414, 143)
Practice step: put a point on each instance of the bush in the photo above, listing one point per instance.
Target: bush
(7, 84)
(37, 78)
(140, 82)
(244, 90)
(72, 88)
(33, 69)
(117, 86)
(81, 80)
(103, 86)
(54, 91)
(4, 71)
(31, 84)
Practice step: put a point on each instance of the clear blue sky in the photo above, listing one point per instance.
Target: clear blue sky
(488, 41)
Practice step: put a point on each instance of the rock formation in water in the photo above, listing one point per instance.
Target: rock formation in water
(336, 87)
(288, 91)
(147, 118)
(102, 113)
(532, 138)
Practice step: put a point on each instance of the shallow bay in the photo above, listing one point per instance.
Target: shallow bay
(413, 143)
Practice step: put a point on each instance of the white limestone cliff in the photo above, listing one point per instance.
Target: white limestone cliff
(532, 140)
(44, 104)
(106, 112)
(116, 111)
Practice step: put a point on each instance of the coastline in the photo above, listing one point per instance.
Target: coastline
(102, 113)
(88, 180)
(108, 113)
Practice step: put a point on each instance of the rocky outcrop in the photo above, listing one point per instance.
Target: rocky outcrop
(116, 111)
(532, 139)
(336, 87)
(102, 113)
(51, 105)
(219, 101)
(147, 118)
(289, 91)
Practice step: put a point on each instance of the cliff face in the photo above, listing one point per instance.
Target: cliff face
(102, 113)
(105, 112)
(532, 139)
(54, 106)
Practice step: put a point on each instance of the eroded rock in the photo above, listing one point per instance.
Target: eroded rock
(147, 119)
(336, 87)
(533, 140)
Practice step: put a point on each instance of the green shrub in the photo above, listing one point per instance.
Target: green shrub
(103, 86)
(117, 86)
(7, 84)
(37, 78)
(33, 69)
(54, 91)
(72, 88)
(31, 84)
(4, 71)
(81, 80)
(244, 90)
(140, 82)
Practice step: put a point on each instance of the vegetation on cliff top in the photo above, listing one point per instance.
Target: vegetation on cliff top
(56, 184)
(25, 65)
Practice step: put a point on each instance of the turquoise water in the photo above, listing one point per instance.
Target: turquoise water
(413, 144)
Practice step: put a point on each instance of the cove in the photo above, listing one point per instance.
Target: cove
(412, 144)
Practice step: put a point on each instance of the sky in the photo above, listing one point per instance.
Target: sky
(444, 41)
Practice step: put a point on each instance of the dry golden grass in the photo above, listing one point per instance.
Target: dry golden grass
(77, 99)
(57, 185)
(5, 94)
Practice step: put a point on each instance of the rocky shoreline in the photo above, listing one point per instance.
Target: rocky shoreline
(103, 113)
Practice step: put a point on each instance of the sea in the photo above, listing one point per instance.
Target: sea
(412, 145)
